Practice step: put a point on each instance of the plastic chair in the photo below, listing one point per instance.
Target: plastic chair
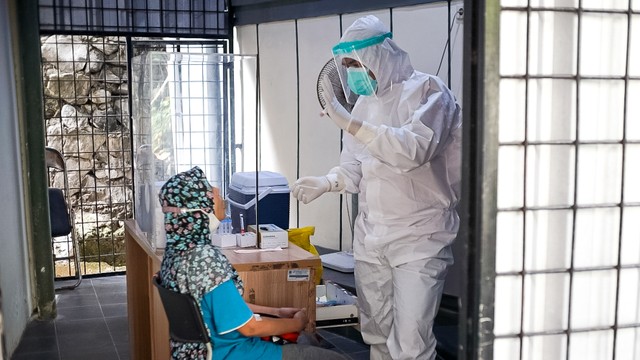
(185, 320)
(60, 216)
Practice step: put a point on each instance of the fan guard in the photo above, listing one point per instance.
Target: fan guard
(329, 69)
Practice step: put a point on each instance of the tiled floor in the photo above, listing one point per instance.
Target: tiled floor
(92, 324)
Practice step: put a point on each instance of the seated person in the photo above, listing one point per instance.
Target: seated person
(192, 210)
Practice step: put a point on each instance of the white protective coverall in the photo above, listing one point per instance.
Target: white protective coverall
(403, 158)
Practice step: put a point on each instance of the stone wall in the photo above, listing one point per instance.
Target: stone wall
(87, 120)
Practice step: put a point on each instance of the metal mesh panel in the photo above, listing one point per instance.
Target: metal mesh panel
(568, 256)
(86, 118)
(184, 18)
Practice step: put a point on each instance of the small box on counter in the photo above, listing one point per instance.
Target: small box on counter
(223, 240)
(247, 239)
(335, 306)
(270, 236)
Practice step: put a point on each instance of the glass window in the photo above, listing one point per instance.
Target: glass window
(509, 241)
(596, 238)
(629, 297)
(550, 175)
(601, 110)
(593, 299)
(548, 239)
(633, 109)
(599, 174)
(551, 110)
(511, 176)
(513, 43)
(634, 45)
(544, 347)
(592, 345)
(628, 344)
(512, 110)
(509, 302)
(630, 251)
(632, 173)
(603, 45)
(552, 47)
(546, 302)
(506, 349)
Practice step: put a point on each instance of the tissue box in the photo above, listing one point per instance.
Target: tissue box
(223, 240)
(246, 240)
(270, 236)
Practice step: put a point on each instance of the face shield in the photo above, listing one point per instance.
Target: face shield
(355, 77)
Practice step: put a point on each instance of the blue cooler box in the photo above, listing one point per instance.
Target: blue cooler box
(273, 199)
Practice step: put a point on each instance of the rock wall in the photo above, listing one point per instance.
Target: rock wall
(87, 120)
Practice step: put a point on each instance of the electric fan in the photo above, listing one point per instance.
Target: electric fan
(329, 69)
(341, 261)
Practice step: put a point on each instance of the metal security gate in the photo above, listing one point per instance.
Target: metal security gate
(86, 51)
(567, 250)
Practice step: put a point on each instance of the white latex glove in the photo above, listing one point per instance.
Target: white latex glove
(309, 188)
(336, 111)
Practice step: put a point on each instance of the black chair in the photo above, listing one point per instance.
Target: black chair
(60, 214)
(185, 321)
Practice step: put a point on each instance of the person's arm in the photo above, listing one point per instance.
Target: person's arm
(227, 311)
(268, 326)
(280, 312)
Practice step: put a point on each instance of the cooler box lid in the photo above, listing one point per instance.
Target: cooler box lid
(245, 182)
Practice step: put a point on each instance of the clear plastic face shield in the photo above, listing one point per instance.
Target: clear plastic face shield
(355, 77)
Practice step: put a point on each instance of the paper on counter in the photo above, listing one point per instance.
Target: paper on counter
(249, 251)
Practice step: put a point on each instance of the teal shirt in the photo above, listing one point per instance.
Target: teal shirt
(224, 311)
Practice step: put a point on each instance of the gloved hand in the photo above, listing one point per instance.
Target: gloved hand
(309, 188)
(336, 111)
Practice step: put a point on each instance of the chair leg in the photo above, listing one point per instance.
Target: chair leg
(76, 257)
(209, 351)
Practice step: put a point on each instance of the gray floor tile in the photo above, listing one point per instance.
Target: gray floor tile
(114, 310)
(92, 323)
(79, 313)
(39, 329)
(33, 344)
(97, 327)
(119, 329)
(76, 300)
(108, 298)
(36, 356)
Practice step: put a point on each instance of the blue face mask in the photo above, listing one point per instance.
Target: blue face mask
(360, 82)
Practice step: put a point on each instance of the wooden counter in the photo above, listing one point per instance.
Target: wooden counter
(148, 326)
(274, 278)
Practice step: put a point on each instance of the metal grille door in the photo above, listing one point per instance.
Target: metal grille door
(568, 235)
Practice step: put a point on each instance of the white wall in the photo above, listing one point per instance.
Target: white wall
(14, 282)
(295, 141)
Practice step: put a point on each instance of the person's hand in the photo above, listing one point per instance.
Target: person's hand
(302, 317)
(308, 188)
(287, 312)
(336, 111)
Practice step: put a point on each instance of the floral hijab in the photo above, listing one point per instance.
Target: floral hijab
(191, 265)
(186, 190)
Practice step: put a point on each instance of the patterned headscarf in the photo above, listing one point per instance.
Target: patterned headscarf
(186, 190)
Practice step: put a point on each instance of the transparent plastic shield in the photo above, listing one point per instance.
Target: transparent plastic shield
(356, 80)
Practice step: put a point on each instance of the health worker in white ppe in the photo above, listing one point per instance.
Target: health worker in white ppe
(401, 154)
